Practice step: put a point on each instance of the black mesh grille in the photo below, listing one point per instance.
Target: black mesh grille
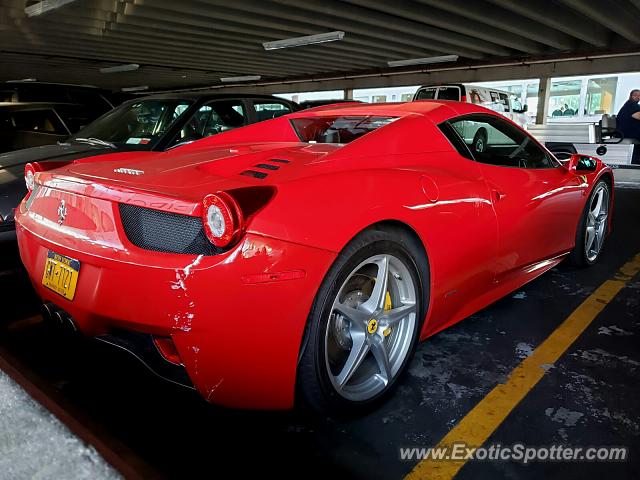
(165, 232)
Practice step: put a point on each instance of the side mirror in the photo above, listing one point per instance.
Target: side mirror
(582, 163)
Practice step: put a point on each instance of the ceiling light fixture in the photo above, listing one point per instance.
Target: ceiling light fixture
(135, 89)
(44, 6)
(306, 40)
(129, 67)
(422, 61)
(243, 78)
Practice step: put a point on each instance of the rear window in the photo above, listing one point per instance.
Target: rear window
(449, 93)
(426, 94)
(337, 129)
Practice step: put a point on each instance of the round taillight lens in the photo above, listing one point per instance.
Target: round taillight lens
(30, 176)
(222, 219)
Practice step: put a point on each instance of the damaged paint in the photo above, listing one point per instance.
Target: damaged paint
(183, 318)
(213, 389)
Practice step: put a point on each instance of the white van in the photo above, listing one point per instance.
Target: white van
(497, 100)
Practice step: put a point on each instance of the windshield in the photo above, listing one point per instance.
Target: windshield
(139, 124)
(337, 129)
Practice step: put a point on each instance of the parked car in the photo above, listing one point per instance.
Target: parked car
(153, 123)
(500, 101)
(97, 100)
(24, 125)
(308, 253)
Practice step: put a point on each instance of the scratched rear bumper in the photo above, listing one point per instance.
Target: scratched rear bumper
(238, 340)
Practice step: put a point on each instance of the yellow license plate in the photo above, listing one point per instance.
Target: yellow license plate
(61, 274)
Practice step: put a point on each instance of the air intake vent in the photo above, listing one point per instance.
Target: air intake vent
(165, 232)
(254, 174)
(279, 160)
(266, 166)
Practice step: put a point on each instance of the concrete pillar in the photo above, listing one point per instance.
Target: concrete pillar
(543, 100)
(348, 94)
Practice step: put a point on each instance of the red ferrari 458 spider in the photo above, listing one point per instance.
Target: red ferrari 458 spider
(307, 254)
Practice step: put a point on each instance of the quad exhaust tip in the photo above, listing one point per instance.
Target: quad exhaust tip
(57, 316)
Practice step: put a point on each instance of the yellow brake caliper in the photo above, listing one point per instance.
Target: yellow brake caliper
(387, 307)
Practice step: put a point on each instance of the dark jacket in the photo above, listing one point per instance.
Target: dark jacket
(625, 122)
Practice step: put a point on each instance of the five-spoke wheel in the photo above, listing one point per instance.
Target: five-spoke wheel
(365, 321)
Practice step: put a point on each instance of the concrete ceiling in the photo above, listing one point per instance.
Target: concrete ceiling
(193, 43)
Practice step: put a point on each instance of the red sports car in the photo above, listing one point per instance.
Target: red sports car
(307, 254)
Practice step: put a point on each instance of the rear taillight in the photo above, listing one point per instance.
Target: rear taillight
(222, 219)
(30, 176)
(30, 170)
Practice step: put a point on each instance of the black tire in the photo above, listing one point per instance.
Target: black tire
(578, 256)
(313, 381)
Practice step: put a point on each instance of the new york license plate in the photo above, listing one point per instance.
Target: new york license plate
(61, 274)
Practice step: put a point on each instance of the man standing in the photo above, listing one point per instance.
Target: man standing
(628, 119)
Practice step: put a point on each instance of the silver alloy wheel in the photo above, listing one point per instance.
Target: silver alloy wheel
(370, 331)
(596, 224)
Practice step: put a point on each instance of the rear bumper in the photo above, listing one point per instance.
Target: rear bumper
(238, 333)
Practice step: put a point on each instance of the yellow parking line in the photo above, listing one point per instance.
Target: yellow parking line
(474, 429)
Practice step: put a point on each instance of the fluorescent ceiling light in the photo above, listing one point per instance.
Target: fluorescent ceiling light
(44, 6)
(422, 61)
(307, 40)
(243, 78)
(129, 67)
(135, 89)
(22, 80)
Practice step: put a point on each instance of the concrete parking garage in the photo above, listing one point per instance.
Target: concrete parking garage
(555, 363)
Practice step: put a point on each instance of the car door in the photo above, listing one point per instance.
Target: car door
(534, 197)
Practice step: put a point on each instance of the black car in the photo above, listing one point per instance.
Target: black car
(153, 123)
(97, 100)
(24, 125)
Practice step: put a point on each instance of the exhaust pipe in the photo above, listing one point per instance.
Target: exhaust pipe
(57, 316)
(48, 311)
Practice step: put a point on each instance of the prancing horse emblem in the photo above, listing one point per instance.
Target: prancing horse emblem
(62, 212)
